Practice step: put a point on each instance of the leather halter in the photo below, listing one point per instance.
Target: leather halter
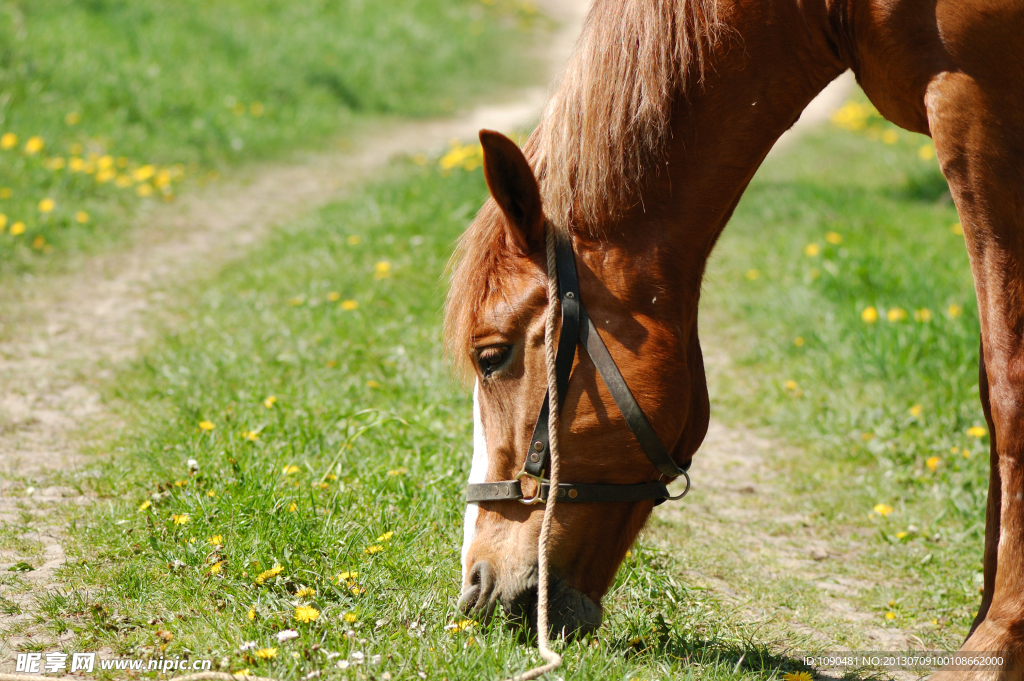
(578, 329)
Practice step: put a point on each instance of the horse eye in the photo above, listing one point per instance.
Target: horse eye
(490, 359)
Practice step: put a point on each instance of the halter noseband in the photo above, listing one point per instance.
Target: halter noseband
(578, 329)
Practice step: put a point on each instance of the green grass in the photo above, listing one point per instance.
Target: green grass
(880, 412)
(134, 98)
(357, 466)
(366, 413)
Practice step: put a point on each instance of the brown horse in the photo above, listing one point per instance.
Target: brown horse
(664, 113)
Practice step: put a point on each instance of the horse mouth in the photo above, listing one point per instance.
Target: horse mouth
(571, 613)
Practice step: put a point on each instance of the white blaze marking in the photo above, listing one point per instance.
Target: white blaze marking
(477, 473)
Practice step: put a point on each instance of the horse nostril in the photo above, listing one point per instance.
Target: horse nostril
(479, 595)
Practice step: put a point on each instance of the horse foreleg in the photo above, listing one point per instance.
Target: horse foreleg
(979, 137)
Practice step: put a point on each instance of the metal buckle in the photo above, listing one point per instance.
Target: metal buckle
(539, 480)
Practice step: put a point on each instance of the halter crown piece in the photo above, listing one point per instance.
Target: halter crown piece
(577, 329)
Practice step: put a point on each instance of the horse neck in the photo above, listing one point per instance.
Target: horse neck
(769, 65)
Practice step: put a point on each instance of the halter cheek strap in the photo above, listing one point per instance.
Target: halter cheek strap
(577, 329)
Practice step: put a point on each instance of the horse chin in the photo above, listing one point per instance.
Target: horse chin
(571, 613)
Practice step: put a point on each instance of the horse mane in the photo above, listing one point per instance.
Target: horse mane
(609, 117)
(605, 123)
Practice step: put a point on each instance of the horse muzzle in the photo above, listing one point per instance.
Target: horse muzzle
(570, 612)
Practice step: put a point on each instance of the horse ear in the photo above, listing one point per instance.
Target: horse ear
(514, 188)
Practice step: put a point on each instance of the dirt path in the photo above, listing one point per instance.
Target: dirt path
(59, 337)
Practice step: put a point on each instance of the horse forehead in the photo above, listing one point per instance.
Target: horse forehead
(509, 304)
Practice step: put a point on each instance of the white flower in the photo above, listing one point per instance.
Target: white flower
(357, 657)
(375, 659)
(248, 645)
(287, 635)
(343, 664)
(193, 465)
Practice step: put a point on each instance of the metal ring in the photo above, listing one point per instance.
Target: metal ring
(685, 491)
(539, 480)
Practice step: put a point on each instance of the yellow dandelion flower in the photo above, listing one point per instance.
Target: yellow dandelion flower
(916, 410)
(382, 269)
(349, 305)
(215, 539)
(791, 385)
(956, 228)
(296, 301)
(954, 310)
(5, 193)
(812, 250)
(890, 136)
(926, 152)
(8, 141)
(386, 536)
(799, 341)
(18, 228)
(39, 242)
(47, 205)
(370, 550)
(269, 401)
(56, 163)
(215, 568)
(896, 314)
(251, 614)
(331, 363)
(890, 615)
(105, 175)
(933, 463)
(752, 274)
(372, 384)
(145, 189)
(211, 493)
(143, 173)
(206, 425)
(977, 431)
(954, 450)
(256, 109)
(266, 653)
(901, 535)
(123, 181)
(269, 574)
(347, 574)
(334, 296)
(869, 315)
(814, 273)
(883, 509)
(181, 483)
(354, 240)
(3, 221)
(834, 238)
(293, 507)
(250, 435)
(305, 592)
(923, 315)
(181, 518)
(305, 613)
(81, 217)
(73, 118)
(355, 590)
(34, 145)
(76, 165)
(967, 453)
(398, 471)
(797, 676)
(145, 504)
(290, 468)
(350, 617)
